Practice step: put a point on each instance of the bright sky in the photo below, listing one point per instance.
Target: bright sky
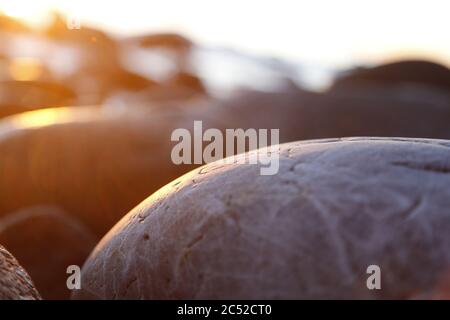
(330, 33)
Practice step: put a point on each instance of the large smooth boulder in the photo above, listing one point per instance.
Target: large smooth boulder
(335, 208)
(95, 164)
(403, 99)
(15, 283)
(302, 115)
(46, 241)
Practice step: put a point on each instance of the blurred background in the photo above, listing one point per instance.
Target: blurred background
(237, 43)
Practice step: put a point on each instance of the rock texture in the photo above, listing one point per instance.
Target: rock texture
(336, 206)
(95, 164)
(46, 240)
(15, 283)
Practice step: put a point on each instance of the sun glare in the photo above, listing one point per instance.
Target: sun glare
(316, 32)
(25, 69)
(45, 117)
(40, 118)
(27, 11)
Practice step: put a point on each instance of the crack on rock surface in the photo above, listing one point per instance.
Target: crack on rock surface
(411, 211)
(423, 166)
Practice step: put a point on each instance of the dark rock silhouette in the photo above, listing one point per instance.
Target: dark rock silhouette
(171, 41)
(412, 71)
(94, 85)
(46, 241)
(404, 99)
(189, 81)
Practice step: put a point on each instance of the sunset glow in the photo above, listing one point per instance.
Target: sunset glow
(325, 32)
(44, 117)
(33, 12)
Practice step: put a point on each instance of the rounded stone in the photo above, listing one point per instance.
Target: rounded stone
(312, 230)
(94, 163)
(15, 283)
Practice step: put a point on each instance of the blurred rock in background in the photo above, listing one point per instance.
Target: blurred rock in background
(46, 241)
